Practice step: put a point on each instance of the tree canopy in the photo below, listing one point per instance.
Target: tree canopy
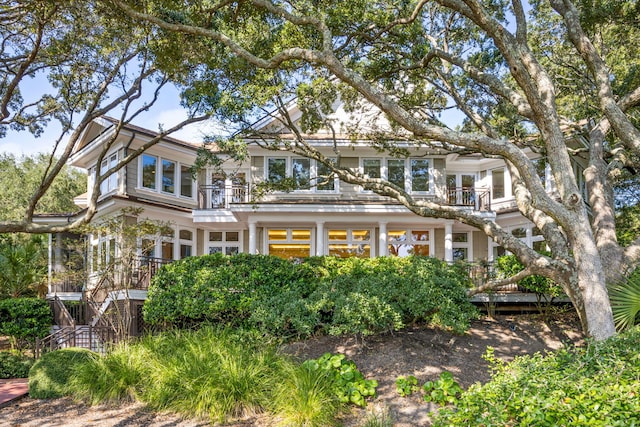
(557, 77)
(95, 64)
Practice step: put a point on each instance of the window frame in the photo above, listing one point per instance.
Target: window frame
(225, 245)
(350, 240)
(408, 172)
(289, 239)
(409, 231)
(180, 171)
(313, 173)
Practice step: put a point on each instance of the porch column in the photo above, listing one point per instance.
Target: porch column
(383, 248)
(252, 237)
(448, 241)
(50, 263)
(489, 249)
(320, 238)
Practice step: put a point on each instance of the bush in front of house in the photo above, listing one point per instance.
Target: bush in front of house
(50, 376)
(14, 364)
(213, 374)
(592, 386)
(24, 319)
(318, 295)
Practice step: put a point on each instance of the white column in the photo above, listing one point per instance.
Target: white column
(448, 241)
(489, 249)
(320, 250)
(383, 248)
(253, 238)
(50, 262)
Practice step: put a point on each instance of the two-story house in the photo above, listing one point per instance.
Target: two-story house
(215, 211)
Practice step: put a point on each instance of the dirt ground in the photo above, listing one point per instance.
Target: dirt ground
(419, 351)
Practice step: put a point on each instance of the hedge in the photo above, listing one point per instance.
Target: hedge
(318, 295)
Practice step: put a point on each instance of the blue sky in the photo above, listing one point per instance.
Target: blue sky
(167, 112)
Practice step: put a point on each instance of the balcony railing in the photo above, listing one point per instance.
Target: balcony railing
(221, 196)
(479, 200)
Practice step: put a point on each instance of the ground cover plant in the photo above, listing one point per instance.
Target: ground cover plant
(219, 374)
(50, 376)
(317, 295)
(592, 386)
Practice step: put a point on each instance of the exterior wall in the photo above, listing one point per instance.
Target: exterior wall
(479, 246)
(439, 243)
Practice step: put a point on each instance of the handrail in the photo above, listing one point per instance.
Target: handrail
(479, 199)
(218, 196)
(60, 309)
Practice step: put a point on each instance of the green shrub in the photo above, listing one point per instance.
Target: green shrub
(444, 390)
(24, 320)
(321, 294)
(593, 386)
(349, 385)
(406, 386)
(50, 375)
(14, 365)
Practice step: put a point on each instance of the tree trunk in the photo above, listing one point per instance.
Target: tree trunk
(595, 308)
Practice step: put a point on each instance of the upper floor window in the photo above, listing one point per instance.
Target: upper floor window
(498, 190)
(307, 174)
(167, 175)
(111, 183)
(413, 175)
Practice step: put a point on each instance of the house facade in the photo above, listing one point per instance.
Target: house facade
(215, 210)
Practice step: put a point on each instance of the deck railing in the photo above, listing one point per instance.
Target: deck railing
(96, 338)
(478, 199)
(221, 196)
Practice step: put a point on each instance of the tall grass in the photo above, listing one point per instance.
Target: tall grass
(306, 397)
(209, 374)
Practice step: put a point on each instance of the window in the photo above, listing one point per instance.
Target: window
(172, 177)
(301, 173)
(111, 183)
(186, 243)
(350, 243)
(276, 169)
(497, 186)
(395, 172)
(307, 174)
(186, 182)
(419, 175)
(325, 180)
(149, 171)
(289, 243)
(413, 175)
(409, 242)
(168, 176)
(103, 252)
(461, 247)
(224, 242)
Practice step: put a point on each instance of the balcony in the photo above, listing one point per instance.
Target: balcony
(478, 199)
(222, 196)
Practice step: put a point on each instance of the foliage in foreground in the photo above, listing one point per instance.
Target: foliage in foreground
(592, 386)
(24, 319)
(319, 295)
(212, 374)
(50, 376)
(13, 364)
(625, 301)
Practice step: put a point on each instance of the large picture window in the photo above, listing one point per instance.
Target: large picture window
(346, 243)
(289, 243)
